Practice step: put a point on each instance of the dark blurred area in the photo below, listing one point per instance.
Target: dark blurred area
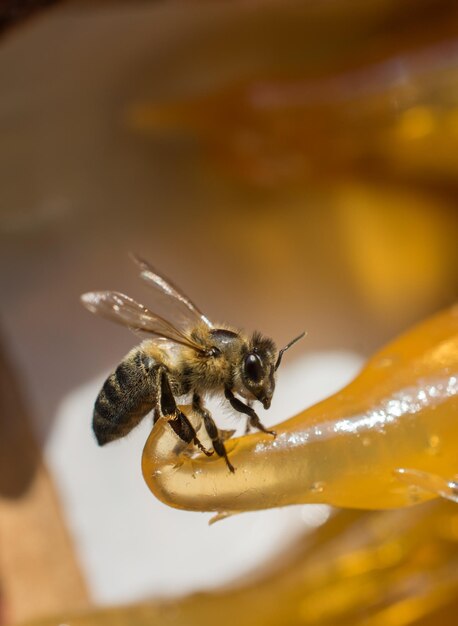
(13, 12)
(291, 165)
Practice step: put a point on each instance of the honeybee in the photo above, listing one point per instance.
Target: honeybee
(184, 356)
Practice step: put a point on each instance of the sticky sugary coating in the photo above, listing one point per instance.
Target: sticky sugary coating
(388, 439)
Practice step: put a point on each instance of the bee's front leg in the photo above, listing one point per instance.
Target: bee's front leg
(248, 420)
(178, 420)
(239, 406)
(212, 429)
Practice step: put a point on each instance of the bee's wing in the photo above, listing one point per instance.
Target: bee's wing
(120, 308)
(189, 311)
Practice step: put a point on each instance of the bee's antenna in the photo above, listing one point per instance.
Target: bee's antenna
(287, 347)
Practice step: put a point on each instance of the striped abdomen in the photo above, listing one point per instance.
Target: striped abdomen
(127, 395)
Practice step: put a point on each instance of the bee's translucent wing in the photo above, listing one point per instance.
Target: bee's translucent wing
(120, 308)
(189, 311)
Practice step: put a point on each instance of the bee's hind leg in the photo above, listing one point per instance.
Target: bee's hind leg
(212, 430)
(178, 420)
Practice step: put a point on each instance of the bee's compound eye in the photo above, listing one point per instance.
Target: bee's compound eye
(253, 367)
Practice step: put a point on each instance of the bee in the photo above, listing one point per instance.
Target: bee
(185, 355)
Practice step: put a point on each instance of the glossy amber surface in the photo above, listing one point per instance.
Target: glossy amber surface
(388, 439)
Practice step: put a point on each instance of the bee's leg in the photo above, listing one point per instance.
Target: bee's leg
(179, 422)
(156, 414)
(248, 422)
(238, 405)
(211, 429)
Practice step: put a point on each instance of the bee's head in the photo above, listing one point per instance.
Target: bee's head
(258, 368)
(260, 362)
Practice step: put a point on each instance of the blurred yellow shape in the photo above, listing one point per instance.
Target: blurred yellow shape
(417, 122)
(399, 251)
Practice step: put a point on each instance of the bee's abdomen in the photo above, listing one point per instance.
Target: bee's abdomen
(127, 395)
